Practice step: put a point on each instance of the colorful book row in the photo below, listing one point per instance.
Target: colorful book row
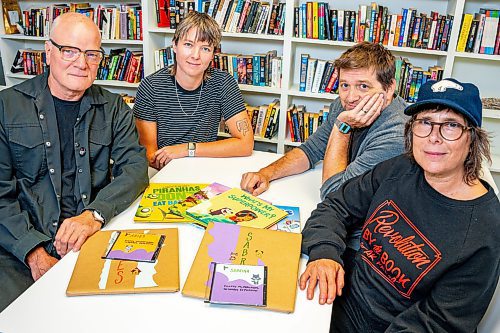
(480, 32)
(123, 21)
(169, 13)
(247, 16)
(164, 57)
(302, 124)
(258, 69)
(29, 62)
(264, 119)
(317, 75)
(122, 65)
(373, 23)
(409, 78)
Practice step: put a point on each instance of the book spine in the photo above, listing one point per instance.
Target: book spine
(464, 32)
(311, 68)
(256, 70)
(315, 23)
(326, 76)
(290, 123)
(477, 43)
(403, 27)
(303, 71)
(340, 25)
(318, 75)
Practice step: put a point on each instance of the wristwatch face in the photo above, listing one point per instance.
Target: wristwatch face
(191, 149)
(343, 127)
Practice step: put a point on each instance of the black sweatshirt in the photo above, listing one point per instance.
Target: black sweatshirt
(426, 262)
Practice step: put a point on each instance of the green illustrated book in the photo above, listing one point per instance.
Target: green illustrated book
(158, 198)
(204, 194)
(237, 206)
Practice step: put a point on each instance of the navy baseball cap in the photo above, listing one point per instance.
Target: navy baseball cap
(461, 97)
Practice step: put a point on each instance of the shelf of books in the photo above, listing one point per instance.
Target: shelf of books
(120, 26)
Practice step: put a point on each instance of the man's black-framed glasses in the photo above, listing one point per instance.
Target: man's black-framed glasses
(72, 53)
(449, 130)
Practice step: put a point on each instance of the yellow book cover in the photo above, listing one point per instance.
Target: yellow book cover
(464, 32)
(237, 206)
(315, 20)
(234, 244)
(157, 199)
(94, 275)
(205, 194)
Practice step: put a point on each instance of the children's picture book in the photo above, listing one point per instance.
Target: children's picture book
(291, 223)
(237, 284)
(157, 199)
(136, 246)
(234, 244)
(96, 275)
(204, 194)
(237, 206)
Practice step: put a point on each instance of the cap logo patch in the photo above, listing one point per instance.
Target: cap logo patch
(442, 85)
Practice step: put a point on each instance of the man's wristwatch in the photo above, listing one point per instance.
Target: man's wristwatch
(343, 127)
(97, 216)
(191, 149)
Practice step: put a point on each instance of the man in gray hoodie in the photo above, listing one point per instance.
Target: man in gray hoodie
(364, 127)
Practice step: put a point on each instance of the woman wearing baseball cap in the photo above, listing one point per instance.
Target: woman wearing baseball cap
(429, 256)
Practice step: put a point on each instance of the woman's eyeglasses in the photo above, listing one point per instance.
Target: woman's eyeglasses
(449, 130)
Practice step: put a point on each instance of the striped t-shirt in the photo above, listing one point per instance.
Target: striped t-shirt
(157, 101)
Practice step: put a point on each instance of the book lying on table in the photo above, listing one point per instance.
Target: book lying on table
(234, 244)
(134, 246)
(291, 223)
(96, 275)
(204, 194)
(237, 284)
(237, 206)
(157, 199)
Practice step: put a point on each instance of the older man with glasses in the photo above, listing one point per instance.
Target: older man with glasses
(71, 159)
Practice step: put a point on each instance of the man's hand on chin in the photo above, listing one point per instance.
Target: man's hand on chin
(365, 113)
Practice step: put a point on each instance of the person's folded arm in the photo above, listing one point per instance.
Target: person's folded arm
(386, 144)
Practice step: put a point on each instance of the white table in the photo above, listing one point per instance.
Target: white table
(44, 307)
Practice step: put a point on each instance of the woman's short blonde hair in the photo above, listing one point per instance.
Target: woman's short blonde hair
(207, 30)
